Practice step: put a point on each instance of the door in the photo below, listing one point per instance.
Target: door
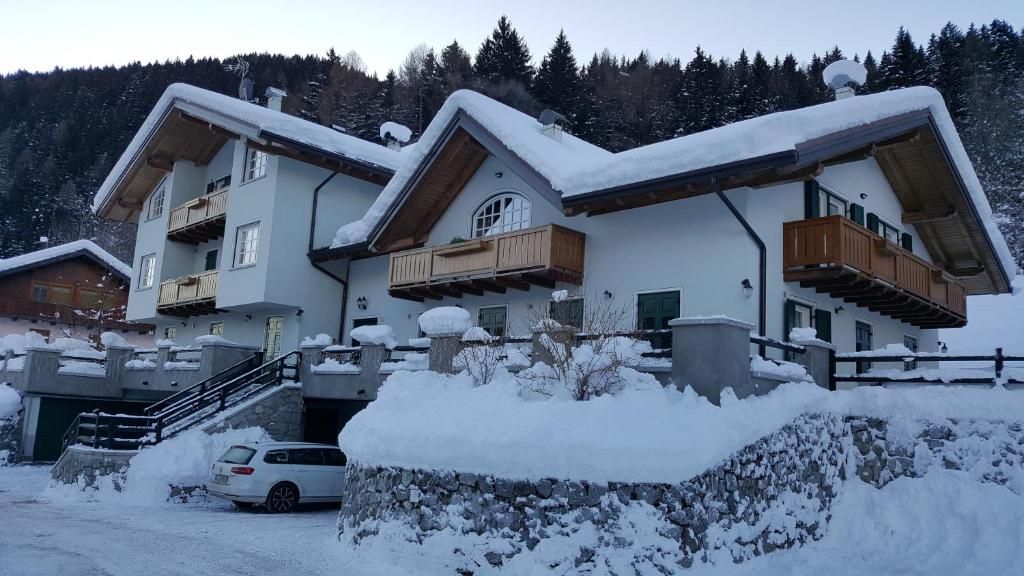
(654, 310)
(911, 343)
(494, 319)
(275, 327)
(315, 478)
(863, 343)
(335, 460)
(211, 259)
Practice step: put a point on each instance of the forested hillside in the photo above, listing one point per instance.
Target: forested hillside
(61, 131)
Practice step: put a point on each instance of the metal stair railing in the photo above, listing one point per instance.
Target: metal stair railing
(200, 387)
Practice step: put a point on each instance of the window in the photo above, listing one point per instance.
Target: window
(307, 456)
(237, 455)
(211, 259)
(156, 203)
(94, 299)
(862, 341)
(334, 457)
(40, 293)
(170, 333)
(247, 243)
(821, 201)
(60, 295)
(147, 271)
(255, 164)
(502, 213)
(218, 184)
(891, 233)
(216, 328)
(276, 457)
(568, 312)
(910, 342)
(494, 319)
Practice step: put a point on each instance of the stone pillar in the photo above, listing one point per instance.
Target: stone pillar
(443, 349)
(41, 366)
(312, 354)
(217, 357)
(565, 335)
(710, 354)
(817, 360)
(370, 358)
(163, 354)
(117, 357)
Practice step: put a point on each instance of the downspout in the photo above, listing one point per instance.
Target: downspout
(762, 295)
(318, 266)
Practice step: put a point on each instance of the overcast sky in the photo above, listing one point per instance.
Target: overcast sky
(40, 34)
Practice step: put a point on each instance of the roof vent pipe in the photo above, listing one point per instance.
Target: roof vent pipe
(275, 97)
(552, 124)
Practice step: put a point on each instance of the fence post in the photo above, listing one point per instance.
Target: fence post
(711, 354)
(818, 358)
(999, 366)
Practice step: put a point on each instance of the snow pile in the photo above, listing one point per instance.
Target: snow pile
(379, 334)
(16, 343)
(71, 345)
(182, 462)
(114, 339)
(401, 133)
(560, 295)
(476, 334)
(181, 365)
(318, 340)
(164, 342)
(140, 364)
(332, 366)
(853, 71)
(80, 368)
(419, 342)
(888, 350)
(64, 251)
(592, 368)
(790, 371)
(445, 320)
(800, 334)
(412, 362)
(10, 403)
(213, 339)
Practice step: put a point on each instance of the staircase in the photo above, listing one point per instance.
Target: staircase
(186, 409)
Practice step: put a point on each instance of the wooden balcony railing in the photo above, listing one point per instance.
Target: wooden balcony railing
(200, 219)
(836, 255)
(70, 315)
(189, 295)
(542, 255)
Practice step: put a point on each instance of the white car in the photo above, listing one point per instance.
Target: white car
(279, 474)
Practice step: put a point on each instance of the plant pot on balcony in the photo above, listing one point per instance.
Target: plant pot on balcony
(186, 280)
(467, 247)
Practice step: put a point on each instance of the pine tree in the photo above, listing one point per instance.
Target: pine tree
(905, 65)
(700, 94)
(457, 69)
(871, 83)
(558, 80)
(946, 70)
(504, 56)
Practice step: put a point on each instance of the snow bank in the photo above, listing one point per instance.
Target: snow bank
(380, 334)
(70, 344)
(476, 334)
(445, 320)
(318, 340)
(401, 133)
(10, 402)
(412, 361)
(114, 339)
(803, 334)
(140, 364)
(332, 366)
(638, 435)
(213, 339)
(164, 342)
(79, 368)
(789, 370)
(888, 350)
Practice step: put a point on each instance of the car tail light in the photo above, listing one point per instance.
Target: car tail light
(243, 470)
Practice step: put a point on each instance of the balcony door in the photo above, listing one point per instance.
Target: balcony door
(494, 319)
(863, 343)
(654, 310)
(275, 328)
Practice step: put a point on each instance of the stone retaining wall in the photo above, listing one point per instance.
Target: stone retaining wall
(10, 440)
(78, 462)
(773, 494)
(279, 413)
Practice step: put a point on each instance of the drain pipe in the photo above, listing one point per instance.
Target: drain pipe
(320, 267)
(762, 295)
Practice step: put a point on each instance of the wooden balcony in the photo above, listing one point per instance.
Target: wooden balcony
(535, 256)
(837, 256)
(193, 295)
(25, 309)
(199, 220)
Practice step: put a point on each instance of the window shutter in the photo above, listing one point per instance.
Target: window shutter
(857, 213)
(812, 207)
(873, 223)
(823, 324)
(907, 241)
(788, 319)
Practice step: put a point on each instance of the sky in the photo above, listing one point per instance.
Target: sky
(41, 34)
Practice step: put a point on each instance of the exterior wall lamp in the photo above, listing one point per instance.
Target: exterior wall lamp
(362, 303)
(748, 288)
(607, 294)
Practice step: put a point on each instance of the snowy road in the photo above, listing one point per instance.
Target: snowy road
(72, 539)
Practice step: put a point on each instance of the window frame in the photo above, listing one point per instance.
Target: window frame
(504, 329)
(251, 165)
(159, 194)
(552, 304)
(216, 260)
(170, 332)
(884, 225)
(515, 225)
(912, 365)
(147, 276)
(217, 328)
(826, 195)
(239, 244)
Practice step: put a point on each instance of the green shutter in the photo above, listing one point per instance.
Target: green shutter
(857, 213)
(812, 207)
(873, 223)
(823, 324)
(907, 241)
(788, 318)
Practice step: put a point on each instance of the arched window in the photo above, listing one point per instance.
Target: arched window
(502, 213)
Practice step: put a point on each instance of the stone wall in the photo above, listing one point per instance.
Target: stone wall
(773, 494)
(10, 440)
(278, 412)
(79, 461)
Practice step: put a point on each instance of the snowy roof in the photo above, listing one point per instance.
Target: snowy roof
(253, 121)
(576, 169)
(63, 252)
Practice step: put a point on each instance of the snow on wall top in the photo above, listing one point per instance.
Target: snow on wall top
(52, 252)
(574, 167)
(261, 119)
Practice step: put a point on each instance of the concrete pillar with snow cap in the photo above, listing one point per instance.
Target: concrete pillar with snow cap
(41, 365)
(546, 333)
(375, 344)
(117, 357)
(445, 326)
(818, 360)
(219, 354)
(710, 354)
(312, 353)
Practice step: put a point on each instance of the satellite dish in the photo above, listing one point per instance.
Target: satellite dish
(842, 72)
(245, 84)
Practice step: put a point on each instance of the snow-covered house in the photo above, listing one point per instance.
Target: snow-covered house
(72, 290)
(860, 217)
(229, 198)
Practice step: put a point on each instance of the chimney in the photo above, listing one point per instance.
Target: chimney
(275, 97)
(552, 124)
(394, 135)
(844, 92)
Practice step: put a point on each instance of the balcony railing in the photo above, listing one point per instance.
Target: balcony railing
(66, 314)
(192, 295)
(542, 255)
(836, 255)
(200, 219)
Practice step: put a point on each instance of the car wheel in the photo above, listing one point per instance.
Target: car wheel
(242, 505)
(282, 498)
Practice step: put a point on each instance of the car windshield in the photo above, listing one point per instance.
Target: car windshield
(237, 455)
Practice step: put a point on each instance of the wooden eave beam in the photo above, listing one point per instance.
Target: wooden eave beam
(158, 163)
(510, 282)
(930, 215)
